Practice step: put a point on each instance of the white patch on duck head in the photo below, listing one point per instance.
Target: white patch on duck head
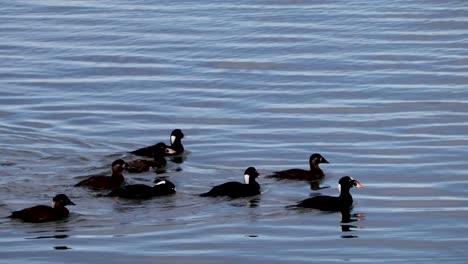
(173, 138)
(161, 182)
(315, 162)
(246, 178)
(339, 188)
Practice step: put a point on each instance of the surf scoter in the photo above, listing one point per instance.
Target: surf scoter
(142, 165)
(237, 189)
(106, 182)
(330, 203)
(175, 149)
(143, 191)
(45, 213)
(315, 173)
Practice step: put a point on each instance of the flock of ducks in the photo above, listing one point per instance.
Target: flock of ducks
(116, 187)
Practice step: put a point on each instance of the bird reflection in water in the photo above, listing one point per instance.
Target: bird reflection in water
(55, 236)
(179, 159)
(59, 235)
(315, 185)
(346, 219)
(253, 203)
(250, 203)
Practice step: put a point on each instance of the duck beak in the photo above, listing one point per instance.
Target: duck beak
(323, 160)
(170, 151)
(358, 184)
(71, 203)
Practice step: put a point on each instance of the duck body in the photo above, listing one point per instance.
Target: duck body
(143, 191)
(147, 151)
(331, 203)
(175, 149)
(106, 182)
(315, 172)
(327, 203)
(300, 174)
(142, 165)
(44, 213)
(102, 182)
(234, 190)
(40, 214)
(237, 189)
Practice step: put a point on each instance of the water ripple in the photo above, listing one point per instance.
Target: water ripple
(378, 88)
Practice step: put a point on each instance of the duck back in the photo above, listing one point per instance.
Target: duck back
(102, 182)
(40, 213)
(233, 189)
(133, 191)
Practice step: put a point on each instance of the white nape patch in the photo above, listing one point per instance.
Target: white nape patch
(339, 188)
(161, 182)
(246, 178)
(351, 178)
(173, 139)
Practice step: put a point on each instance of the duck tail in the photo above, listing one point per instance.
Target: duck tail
(292, 206)
(207, 194)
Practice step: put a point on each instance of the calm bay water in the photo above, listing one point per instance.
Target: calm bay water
(379, 88)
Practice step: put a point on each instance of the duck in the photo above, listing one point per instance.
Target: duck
(313, 174)
(344, 202)
(175, 149)
(102, 182)
(45, 213)
(236, 189)
(142, 165)
(143, 191)
(176, 142)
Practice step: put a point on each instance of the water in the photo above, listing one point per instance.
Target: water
(379, 88)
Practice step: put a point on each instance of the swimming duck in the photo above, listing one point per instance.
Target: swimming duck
(236, 189)
(142, 165)
(142, 191)
(175, 149)
(106, 182)
(45, 213)
(330, 203)
(315, 173)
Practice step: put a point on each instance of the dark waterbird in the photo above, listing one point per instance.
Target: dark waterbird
(341, 203)
(45, 213)
(102, 182)
(236, 189)
(142, 191)
(143, 165)
(175, 149)
(314, 173)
